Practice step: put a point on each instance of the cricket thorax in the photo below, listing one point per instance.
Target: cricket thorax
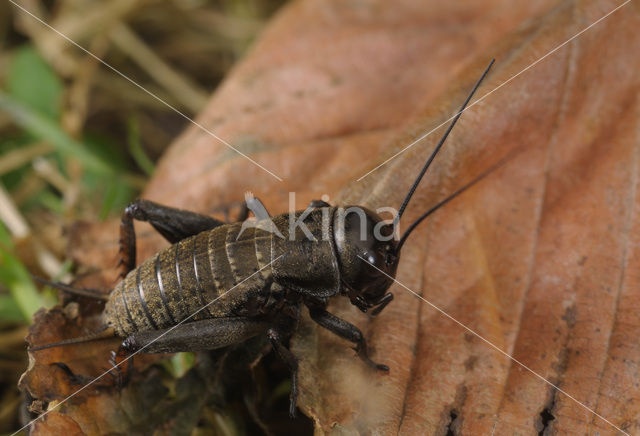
(305, 256)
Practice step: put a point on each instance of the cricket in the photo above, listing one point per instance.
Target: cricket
(221, 283)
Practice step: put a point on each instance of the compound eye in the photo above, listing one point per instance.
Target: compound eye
(376, 256)
(371, 258)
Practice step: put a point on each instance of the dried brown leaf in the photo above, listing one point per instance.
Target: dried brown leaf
(539, 258)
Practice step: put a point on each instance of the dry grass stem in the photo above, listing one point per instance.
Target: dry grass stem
(180, 87)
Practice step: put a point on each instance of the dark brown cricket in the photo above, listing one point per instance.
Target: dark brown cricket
(220, 283)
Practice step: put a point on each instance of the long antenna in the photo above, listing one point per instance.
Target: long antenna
(90, 293)
(107, 333)
(438, 147)
(459, 191)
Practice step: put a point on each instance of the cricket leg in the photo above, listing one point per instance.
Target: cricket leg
(277, 342)
(347, 331)
(121, 362)
(174, 224)
(206, 334)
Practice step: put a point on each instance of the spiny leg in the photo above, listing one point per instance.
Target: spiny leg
(173, 224)
(121, 362)
(277, 342)
(347, 331)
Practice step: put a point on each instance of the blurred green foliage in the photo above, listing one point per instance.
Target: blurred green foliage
(33, 83)
(25, 299)
(32, 99)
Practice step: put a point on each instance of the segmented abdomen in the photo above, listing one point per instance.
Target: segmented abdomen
(212, 274)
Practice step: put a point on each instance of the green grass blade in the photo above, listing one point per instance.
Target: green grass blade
(136, 150)
(31, 81)
(15, 277)
(43, 128)
(9, 309)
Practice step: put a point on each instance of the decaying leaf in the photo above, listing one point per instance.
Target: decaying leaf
(73, 383)
(538, 260)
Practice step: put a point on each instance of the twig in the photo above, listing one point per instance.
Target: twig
(19, 157)
(181, 88)
(19, 229)
(11, 217)
(50, 173)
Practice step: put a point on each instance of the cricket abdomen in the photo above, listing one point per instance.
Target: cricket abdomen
(209, 275)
